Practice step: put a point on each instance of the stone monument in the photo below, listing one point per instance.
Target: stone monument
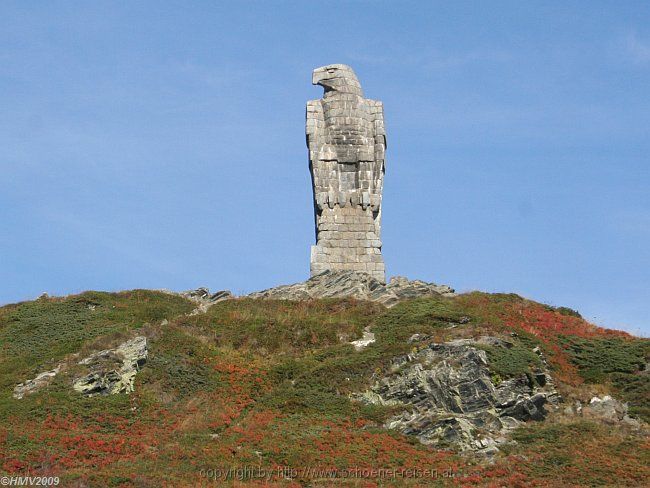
(347, 142)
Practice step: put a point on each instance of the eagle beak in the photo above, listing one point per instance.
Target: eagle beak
(319, 75)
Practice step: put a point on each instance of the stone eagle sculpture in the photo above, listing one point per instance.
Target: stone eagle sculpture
(347, 141)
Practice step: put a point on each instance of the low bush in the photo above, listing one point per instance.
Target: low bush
(512, 361)
(596, 358)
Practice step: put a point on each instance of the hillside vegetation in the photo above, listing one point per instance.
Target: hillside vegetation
(263, 388)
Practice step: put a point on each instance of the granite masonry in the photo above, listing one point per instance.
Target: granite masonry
(346, 141)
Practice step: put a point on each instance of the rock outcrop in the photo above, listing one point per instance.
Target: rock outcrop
(367, 339)
(609, 410)
(450, 398)
(353, 284)
(204, 299)
(113, 370)
(203, 295)
(30, 386)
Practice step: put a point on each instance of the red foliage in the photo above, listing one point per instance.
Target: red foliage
(543, 322)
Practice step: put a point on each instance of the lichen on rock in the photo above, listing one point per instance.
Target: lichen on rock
(30, 386)
(113, 371)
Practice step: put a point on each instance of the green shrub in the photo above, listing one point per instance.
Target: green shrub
(272, 326)
(596, 358)
(514, 361)
(36, 334)
(634, 389)
(419, 316)
(618, 361)
(177, 364)
(568, 311)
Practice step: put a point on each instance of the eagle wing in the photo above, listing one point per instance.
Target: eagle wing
(377, 113)
(322, 172)
(314, 128)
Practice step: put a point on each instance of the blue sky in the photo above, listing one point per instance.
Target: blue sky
(161, 145)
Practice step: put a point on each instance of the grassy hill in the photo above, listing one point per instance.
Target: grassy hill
(253, 391)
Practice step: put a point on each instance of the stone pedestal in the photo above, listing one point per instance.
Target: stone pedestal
(347, 240)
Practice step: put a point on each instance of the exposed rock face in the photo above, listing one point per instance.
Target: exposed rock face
(203, 294)
(338, 284)
(367, 339)
(400, 288)
(450, 398)
(30, 386)
(113, 370)
(609, 410)
(205, 299)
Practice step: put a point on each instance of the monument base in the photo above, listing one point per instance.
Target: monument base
(348, 241)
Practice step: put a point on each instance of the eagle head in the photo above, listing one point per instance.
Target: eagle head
(337, 77)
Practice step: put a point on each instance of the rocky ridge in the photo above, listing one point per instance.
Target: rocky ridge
(204, 299)
(329, 284)
(353, 284)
